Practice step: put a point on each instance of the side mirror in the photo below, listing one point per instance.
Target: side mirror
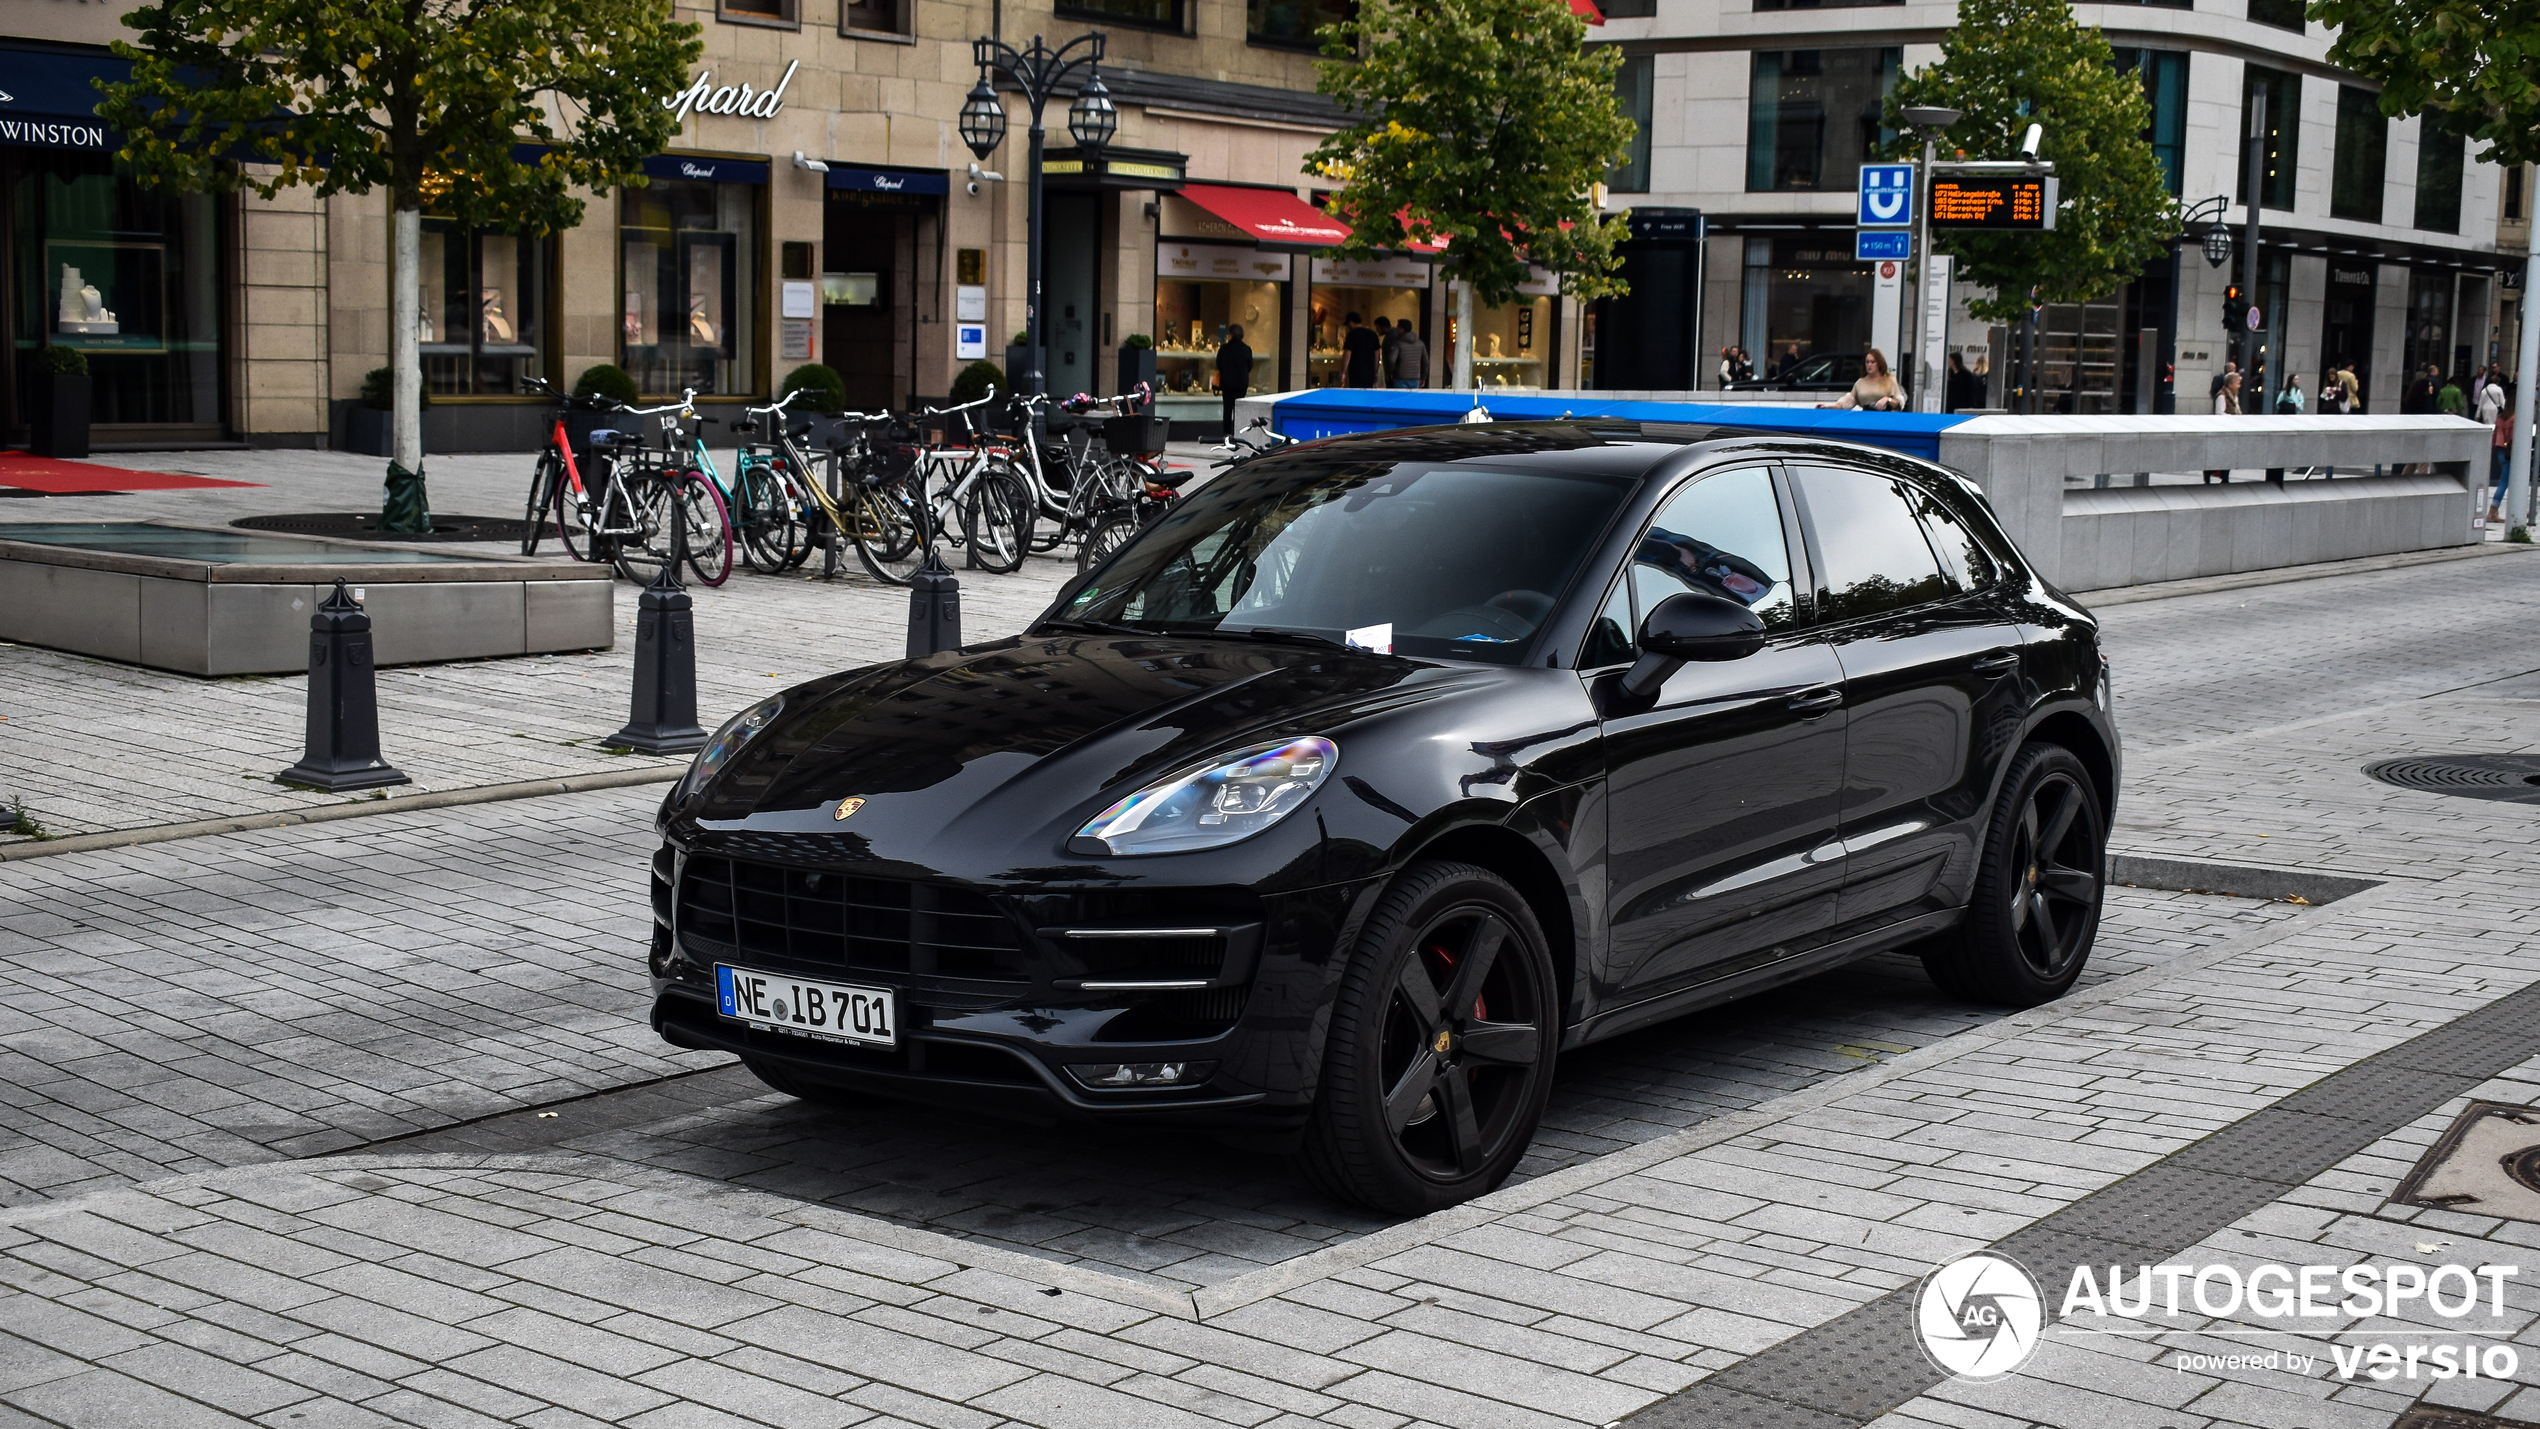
(1692, 625)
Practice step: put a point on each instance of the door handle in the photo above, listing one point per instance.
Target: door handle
(1813, 702)
(2000, 662)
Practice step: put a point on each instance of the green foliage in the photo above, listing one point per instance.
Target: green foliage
(2475, 62)
(828, 390)
(379, 390)
(425, 99)
(1488, 125)
(1022, 338)
(607, 379)
(1137, 339)
(2011, 63)
(2519, 535)
(975, 380)
(63, 362)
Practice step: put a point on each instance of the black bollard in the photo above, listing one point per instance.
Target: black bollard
(664, 719)
(343, 742)
(934, 608)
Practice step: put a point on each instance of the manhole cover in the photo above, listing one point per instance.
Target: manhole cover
(2486, 1164)
(364, 526)
(2513, 778)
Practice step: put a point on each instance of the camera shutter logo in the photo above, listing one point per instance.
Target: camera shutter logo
(1978, 1317)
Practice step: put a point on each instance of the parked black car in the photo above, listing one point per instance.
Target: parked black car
(1383, 770)
(1833, 372)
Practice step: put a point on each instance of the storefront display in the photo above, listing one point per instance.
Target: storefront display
(1200, 291)
(1805, 293)
(1512, 343)
(1394, 289)
(688, 265)
(483, 293)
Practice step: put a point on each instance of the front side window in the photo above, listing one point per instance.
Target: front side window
(1812, 116)
(483, 296)
(687, 272)
(2283, 96)
(1876, 559)
(1721, 536)
(1465, 562)
(2363, 156)
(2439, 177)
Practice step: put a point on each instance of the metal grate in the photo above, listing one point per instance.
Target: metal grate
(2507, 778)
(839, 921)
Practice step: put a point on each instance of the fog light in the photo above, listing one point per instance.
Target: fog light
(1110, 1076)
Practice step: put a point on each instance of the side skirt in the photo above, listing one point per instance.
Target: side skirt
(1631, 1016)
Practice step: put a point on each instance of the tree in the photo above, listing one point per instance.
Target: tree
(2475, 62)
(1486, 126)
(2012, 63)
(428, 98)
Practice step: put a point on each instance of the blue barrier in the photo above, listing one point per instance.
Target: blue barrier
(1334, 411)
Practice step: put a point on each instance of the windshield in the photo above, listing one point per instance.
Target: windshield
(1414, 558)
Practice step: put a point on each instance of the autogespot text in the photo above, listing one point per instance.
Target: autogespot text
(2282, 1298)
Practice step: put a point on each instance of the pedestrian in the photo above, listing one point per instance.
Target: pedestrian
(2421, 393)
(1789, 362)
(2226, 404)
(2289, 402)
(2503, 459)
(2231, 370)
(2491, 396)
(2350, 390)
(1964, 390)
(1358, 353)
(1388, 337)
(1728, 365)
(2452, 401)
(1876, 391)
(1745, 365)
(1410, 358)
(1234, 371)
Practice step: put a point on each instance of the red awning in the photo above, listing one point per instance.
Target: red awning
(1586, 10)
(1270, 215)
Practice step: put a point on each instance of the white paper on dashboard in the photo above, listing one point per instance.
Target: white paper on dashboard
(1378, 638)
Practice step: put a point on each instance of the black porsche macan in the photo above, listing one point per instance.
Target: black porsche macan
(1386, 768)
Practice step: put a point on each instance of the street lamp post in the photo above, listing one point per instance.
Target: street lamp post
(1038, 71)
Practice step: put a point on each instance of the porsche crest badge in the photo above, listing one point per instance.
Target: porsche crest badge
(847, 807)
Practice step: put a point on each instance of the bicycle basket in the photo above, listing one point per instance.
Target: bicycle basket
(1127, 435)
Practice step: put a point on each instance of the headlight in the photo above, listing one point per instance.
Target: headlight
(727, 744)
(1217, 803)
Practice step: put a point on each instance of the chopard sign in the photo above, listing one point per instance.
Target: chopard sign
(704, 96)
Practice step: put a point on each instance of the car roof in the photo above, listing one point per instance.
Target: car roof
(1604, 446)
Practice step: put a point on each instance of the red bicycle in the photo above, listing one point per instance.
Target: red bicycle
(641, 495)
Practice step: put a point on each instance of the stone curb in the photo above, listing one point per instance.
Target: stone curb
(2284, 575)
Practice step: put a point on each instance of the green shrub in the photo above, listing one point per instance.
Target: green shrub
(975, 380)
(1137, 339)
(828, 391)
(607, 380)
(65, 361)
(379, 390)
(1020, 339)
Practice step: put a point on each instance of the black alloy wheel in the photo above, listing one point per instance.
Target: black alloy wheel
(1440, 1053)
(2035, 911)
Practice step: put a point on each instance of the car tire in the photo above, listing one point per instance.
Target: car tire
(1428, 1099)
(2035, 910)
(780, 1078)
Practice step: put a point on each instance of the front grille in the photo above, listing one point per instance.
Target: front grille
(835, 920)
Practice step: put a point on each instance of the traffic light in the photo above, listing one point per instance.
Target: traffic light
(2235, 308)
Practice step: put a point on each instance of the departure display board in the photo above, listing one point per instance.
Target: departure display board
(1986, 201)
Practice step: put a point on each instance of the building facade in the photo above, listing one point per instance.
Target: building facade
(2381, 240)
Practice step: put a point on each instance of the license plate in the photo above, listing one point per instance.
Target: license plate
(832, 1012)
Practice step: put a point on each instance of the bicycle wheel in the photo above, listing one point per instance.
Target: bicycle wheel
(770, 518)
(542, 498)
(573, 531)
(887, 522)
(708, 536)
(635, 522)
(1110, 532)
(998, 519)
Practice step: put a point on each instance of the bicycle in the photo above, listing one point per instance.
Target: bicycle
(864, 499)
(627, 521)
(556, 469)
(990, 506)
(1095, 487)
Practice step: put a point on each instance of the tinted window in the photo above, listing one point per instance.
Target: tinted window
(1455, 560)
(1961, 554)
(1875, 556)
(1609, 640)
(1721, 535)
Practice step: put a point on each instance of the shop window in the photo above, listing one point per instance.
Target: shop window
(758, 12)
(2429, 330)
(2284, 127)
(2164, 77)
(881, 17)
(688, 285)
(2439, 177)
(483, 296)
(1512, 343)
(1292, 24)
(1632, 94)
(1812, 116)
(2363, 156)
(1194, 317)
(1805, 298)
(1145, 14)
(2283, 14)
(1819, 4)
(1328, 309)
(127, 274)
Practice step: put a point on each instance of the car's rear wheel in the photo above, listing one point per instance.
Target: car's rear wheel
(780, 1078)
(1440, 1052)
(2035, 912)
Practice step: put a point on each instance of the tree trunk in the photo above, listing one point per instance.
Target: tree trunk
(405, 357)
(1464, 336)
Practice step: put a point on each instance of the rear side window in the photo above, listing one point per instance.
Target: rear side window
(1961, 554)
(1875, 555)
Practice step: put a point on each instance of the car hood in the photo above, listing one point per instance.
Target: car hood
(1048, 724)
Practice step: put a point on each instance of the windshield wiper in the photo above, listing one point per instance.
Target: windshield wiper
(1095, 627)
(1286, 637)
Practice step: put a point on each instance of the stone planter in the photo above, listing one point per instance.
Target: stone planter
(1137, 364)
(60, 418)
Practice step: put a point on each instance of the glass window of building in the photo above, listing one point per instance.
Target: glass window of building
(1202, 293)
(1145, 14)
(129, 275)
(1629, 9)
(2363, 156)
(2283, 14)
(484, 294)
(1819, 4)
(1633, 95)
(2439, 177)
(1812, 116)
(2283, 94)
(757, 12)
(1396, 290)
(2429, 330)
(885, 17)
(1513, 342)
(2164, 76)
(1292, 24)
(1805, 297)
(688, 283)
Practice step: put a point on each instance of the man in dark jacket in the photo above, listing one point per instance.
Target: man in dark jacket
(1234, 371)
(1409, 358)
(2421, 393)
(1359, 347)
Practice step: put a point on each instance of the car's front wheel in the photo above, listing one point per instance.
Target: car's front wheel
(1440, 1051)
(2035, 911)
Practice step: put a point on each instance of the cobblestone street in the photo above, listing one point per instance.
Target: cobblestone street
(361, 1123)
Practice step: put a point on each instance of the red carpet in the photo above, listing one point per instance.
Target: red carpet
(71, 478)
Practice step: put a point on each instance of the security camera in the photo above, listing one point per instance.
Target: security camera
(979, 175)
(809, 165)
(972, 186)
(2028, 146)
